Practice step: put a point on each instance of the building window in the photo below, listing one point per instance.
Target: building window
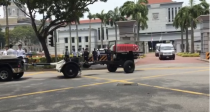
(80, 40)
(72, 39)
(66, 40)
(155, 16)
(66, 48)
(98, 33)
(175, 11)
(169, 16)
(86, 46)
(99, 46)
(86, 39)
(73, 47)
(172, 11)
(107, 34)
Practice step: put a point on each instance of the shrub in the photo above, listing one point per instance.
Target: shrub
(188, 54)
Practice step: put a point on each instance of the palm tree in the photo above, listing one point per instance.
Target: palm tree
(101, 16)
(115, 15)
(194, 12)
(138, 11)
(90, 17)
(77, 21)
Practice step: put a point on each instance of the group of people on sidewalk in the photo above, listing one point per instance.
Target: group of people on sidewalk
(10, 51)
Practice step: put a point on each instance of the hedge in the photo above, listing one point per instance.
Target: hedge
(188, 54)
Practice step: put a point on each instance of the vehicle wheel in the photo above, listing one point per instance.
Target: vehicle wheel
(173, 58)
(86, 65)
(129, 66)
(111, 68)
(70, 71)
(160, 58)
(5, 74)
(18, 76)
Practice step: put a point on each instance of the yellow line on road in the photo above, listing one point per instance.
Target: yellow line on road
(53, 90)
(179, 90)
(33, 74)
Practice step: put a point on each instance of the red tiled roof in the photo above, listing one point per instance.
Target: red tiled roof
(159, 1)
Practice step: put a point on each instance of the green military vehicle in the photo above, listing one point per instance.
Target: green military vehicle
(11, 67)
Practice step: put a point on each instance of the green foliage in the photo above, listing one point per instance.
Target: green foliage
(21, 33)
(115, 15)
(64, 11)
(4, 2)
(188, 54)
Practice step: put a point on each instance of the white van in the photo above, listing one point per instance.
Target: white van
(166, 51)
(157, 50)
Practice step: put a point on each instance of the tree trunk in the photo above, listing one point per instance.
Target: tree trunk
(46, 51)
(90, 36)
(182, 43)
(115, 26)
(192, 38)
(102, 35)
(70, 46)
(77, 37)
(187, 44)
(137, 37)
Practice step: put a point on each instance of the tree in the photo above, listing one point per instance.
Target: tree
(64, 12)
(90, 17)
(115, 15)
(101, 16)
(194, 12)
(138, 11)
(23, 33)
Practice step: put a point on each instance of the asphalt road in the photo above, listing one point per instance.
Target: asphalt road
(169, 87)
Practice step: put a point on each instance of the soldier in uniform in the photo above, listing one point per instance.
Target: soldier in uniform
(20, 51)
(11, 51)
(109, 54)
(86, 55)
(94, 55)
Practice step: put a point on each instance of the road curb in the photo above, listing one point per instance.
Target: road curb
(204, 60)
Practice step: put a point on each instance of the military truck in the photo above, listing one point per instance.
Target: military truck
(11, 67)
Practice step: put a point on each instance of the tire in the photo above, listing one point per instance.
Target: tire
(18, 76)
(111, 68)
(173, 58)
(129, 66)
(5, 74)
(70, 71)
(160, 58)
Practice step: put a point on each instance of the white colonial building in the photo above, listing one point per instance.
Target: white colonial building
(160, 26)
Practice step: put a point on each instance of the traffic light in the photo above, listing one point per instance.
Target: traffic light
(51, 42)
(207, 55)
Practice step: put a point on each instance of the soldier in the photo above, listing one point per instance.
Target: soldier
(109, 55)
(5, 51)
(11, 51)
(86, 55)
(94, 55)
(20, 51)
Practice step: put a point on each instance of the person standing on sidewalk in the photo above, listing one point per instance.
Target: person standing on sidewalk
(94, 55)
(86, 55)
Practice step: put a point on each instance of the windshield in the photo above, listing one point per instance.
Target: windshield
(166, 48)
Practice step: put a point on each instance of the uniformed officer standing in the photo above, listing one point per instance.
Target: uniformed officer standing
(86, 55)
(5, 51)
(94, 55)
(20, 52)
(74, 53)
(109, 55)
(11, 51)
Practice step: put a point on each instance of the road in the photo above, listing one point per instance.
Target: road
(167, 86)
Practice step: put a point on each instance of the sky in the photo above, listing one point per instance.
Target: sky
(99, 6)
